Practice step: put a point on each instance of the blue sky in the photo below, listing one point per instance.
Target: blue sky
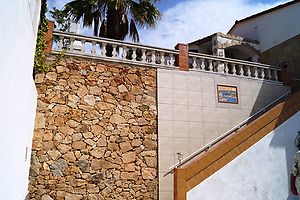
(188, 20)
(165, 4)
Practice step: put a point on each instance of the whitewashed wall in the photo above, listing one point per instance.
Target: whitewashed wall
(190, 116)
(262, 172)
(19, 21)
(273, 28)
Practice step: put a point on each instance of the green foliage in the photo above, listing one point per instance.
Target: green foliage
(40, 64)
(40, 57)
(114, 19)
(61, 18)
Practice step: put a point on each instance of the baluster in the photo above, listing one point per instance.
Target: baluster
(275, 75)
(93, 51)
(60, 44)
(72, 44)
(172, 60)
(134, 54)
(255, 72)
(221, 68)
(162, 58)
(218, 67)
(233, 69)
(82, 49)
(124, 53)
(194, 64)
(248, 71)
(114, 52)
(210, 66)
(202, 66)
(144, 57)
(241, 70)
(153, 57)
(271, 73)
(226, 70)
(103, 50)
(262, 73)
(268, 74)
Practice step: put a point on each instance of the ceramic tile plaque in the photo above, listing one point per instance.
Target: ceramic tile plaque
(227, 94)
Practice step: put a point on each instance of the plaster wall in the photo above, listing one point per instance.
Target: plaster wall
(269, 161)
(271, 29)
(287, 51)
(18, 94)
(190, 116)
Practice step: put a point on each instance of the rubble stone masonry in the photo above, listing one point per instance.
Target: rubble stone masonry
(96, 133)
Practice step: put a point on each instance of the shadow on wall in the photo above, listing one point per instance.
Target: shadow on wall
(283, 138)
(267, 94)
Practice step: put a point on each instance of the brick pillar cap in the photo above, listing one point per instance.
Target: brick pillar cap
(180, 44)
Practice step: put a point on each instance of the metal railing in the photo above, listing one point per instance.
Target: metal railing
(226, 134)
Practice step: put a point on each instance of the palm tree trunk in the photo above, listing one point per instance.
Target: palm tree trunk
(115, 24)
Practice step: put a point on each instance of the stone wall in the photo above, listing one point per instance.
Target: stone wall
(96, 133)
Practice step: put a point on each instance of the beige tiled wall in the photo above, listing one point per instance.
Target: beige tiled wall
(189, 115)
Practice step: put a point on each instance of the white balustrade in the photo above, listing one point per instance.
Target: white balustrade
(109, 49)
(124, 55)
(194, 63)
(213, 64)
(162, 58)
(234, 69)
(248, 71)
(93, 48)
(103, 50)
(132, 53)
(144, 57)
(226, 70)
(172, 60)
(210, 66)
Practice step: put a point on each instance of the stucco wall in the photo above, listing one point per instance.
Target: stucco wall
(19, 20)
(190, 116)
(288, 51)
(273, 28)
(96, 133)
(261, 172)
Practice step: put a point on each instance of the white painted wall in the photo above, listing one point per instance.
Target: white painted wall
(261, 172)
(19, 22)
(273, 28)
(190, 116)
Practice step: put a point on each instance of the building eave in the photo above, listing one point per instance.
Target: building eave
(237, 22)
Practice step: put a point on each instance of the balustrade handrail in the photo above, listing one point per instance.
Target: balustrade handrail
(112, 41)
(127, 52)
(231, 60)
(226, 134)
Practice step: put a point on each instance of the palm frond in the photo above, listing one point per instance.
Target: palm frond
(145, 13)
(133, 32)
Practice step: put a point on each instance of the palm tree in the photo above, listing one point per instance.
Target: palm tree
(114, 19)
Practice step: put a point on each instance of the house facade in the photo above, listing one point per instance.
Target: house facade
(278, 41)
(256, 39)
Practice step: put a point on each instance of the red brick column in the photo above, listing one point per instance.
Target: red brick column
(49, 36)
(182, 60)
